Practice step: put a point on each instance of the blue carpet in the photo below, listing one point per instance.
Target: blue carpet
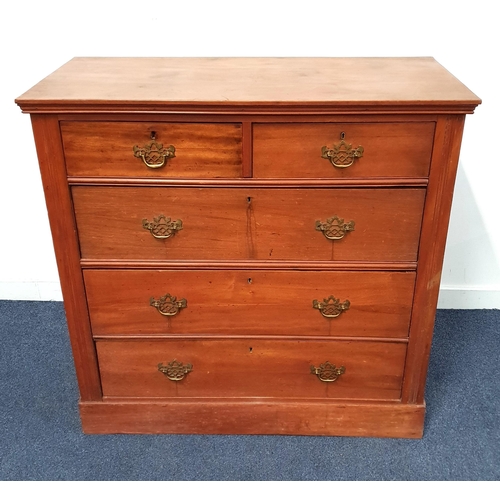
(41, 438)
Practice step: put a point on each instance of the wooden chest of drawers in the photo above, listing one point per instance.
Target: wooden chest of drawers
(250, 245)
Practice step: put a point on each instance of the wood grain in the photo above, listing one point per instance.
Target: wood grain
(65, 239)
(229, 416)
(296, 265)
(202, 150)
(390, 149)
(251, 368)
(270, 224)
(250, 302)
(247, 182)
(204, 84)
(434, 232)
(247, 147)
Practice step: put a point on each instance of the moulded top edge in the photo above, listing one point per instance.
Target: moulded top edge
(368, 83)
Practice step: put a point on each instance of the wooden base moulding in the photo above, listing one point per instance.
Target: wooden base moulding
(254, 417)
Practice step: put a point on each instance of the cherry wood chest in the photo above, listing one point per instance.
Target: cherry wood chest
(250, 245)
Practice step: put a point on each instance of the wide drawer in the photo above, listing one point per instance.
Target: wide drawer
(202, 150)
(370, 304)
(251, 368)
(377, 150)
(249, 223)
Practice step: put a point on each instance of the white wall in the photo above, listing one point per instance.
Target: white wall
(38, 37)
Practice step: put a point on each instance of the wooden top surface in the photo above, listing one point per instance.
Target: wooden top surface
(211, 84)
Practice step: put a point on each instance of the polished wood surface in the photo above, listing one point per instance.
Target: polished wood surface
(106, 148)
(64, 236)
(251, 368)
(296, 265)
(250, 302)
(294, 149)
(270, 224)
(249, 184)
(434, 231)
(349, 84)
(273, 416)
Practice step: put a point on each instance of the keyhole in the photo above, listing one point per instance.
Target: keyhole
(342, 135)
(249, 199)
(249, 281)
(153, 135)
(251, 349)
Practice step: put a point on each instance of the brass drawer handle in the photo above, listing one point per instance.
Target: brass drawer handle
(168, 305)
(327, 372)
(175, 370)
(331, 307)
(342, 155)
(334, 228)
(154, 155)
(162, 227)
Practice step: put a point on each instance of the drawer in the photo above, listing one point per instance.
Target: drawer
(249, 223)
(251, 368)
(249, 302)
(295, 150)
(202, 150)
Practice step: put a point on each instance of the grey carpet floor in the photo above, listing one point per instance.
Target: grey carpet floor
(41, 438)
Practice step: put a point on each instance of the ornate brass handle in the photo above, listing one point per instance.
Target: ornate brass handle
(342, 155)
(334, 228)
(327, 372)
(168, 305)
(331, 307)
(162, 227)
(154, 155)
(175, 370)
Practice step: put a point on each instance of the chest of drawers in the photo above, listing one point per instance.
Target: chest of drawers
(250, 245)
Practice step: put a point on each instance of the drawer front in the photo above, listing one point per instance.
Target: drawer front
(246, 223)
(107, 149)
(251, 368)
(250, 302)
(388, 150)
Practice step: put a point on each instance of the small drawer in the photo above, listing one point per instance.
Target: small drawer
(251, 302)
(342, 150)
(251, 368)
(141, 149)
(377, 225)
